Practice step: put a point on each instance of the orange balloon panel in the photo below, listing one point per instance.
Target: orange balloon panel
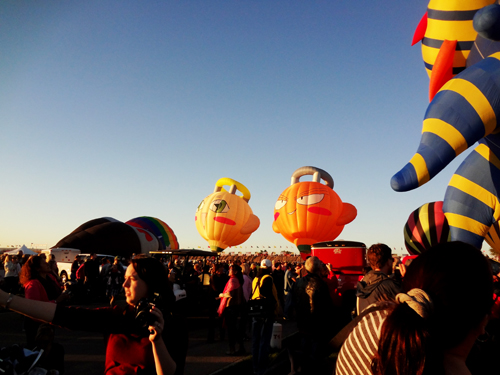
(309, 212)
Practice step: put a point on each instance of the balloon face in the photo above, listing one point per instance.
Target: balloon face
(225, 219)
(310, 212)
(427, 226)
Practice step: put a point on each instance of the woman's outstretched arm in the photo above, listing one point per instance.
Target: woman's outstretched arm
(34, 309)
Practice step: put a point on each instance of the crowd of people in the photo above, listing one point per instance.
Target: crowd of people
(413, 318)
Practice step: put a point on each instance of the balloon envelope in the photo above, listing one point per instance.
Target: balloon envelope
(165, 235)
(426, 226)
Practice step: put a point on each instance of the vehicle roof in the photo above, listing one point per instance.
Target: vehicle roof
(187, 252)
(338, 244)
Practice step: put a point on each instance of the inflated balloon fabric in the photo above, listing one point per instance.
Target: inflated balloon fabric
(426, 226)
(165, 235)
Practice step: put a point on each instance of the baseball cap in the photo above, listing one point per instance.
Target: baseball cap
(266, 263)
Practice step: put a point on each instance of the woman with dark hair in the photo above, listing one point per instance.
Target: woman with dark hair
(39, 284)
(231, 301)
(139, 341)
(433, 325)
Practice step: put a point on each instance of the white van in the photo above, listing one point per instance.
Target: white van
(64, 258)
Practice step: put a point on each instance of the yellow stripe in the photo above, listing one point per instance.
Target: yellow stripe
(458, 4)
(423, 216)
(486, 153)
(429, 55)
(409, 241)
(447, 132)
(451, 30)
(476, 99)
(466, 223)
(494, 241)
(420, 166)
(476, 191)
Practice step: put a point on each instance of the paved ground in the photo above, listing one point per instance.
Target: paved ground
(85, 351)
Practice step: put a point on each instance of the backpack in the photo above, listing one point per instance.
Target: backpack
(258, 305)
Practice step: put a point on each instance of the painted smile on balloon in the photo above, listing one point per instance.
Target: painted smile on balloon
(224, 220)
(290, 213)
(319, 211)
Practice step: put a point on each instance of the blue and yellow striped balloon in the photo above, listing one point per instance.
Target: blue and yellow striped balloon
(463, 112)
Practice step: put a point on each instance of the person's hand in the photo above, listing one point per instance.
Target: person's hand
(158, 326)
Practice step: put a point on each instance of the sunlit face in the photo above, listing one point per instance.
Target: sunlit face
(135, 288)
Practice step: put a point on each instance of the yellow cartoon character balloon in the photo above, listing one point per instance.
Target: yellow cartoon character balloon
(309, 212)
(224, 218)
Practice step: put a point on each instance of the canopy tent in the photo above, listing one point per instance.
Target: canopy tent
(24, 249)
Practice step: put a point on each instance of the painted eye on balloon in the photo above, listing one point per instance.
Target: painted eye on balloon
(220, 206)
(307, 200)
(280, 203)
(200, 206)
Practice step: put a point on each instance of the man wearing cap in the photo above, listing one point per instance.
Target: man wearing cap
(262, 327)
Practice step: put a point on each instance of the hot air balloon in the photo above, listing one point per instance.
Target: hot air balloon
(464, 111)
(447, 34)
(308, 212)
(163, 233)
(224, 218)
(426, 226)
(109, 236)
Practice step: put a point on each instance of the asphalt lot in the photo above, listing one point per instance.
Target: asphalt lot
(85, 352)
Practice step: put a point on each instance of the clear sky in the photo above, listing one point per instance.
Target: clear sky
(136, 108)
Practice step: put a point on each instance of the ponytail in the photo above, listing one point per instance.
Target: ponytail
(404, 344)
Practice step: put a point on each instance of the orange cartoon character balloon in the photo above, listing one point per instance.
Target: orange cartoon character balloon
(224, 218)
(308, 212)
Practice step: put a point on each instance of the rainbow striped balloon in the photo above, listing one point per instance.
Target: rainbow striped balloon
(166, 237)
(427, 226)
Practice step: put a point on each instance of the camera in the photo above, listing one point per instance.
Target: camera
(143, 317)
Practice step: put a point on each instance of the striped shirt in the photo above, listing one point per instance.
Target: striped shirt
(356, 354)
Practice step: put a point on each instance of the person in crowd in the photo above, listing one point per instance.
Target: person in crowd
(92, 276)
(11, 277)
(114, 278)
(247, 281)
(181, 306)
(317, 318)
(253, 271)
(247, 292)
(21, 257)
(218, 282)
(279, 282)
(74, 267)
(290, 279)
(376, 285)
(433, 325)
(40, 284)
(331, 280)
(231, 302)
(134, 345)
(53, 266)
(262, 327)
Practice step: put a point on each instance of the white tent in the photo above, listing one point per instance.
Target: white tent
(24, 249)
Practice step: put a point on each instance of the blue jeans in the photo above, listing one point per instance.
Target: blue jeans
(262, 330)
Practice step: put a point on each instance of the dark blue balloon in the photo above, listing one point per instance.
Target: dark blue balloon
(487, 22)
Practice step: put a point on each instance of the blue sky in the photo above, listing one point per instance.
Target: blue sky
(127, 108)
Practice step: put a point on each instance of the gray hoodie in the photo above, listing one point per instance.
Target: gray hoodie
(375, 286)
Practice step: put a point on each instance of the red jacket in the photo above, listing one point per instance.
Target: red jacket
(34, 289)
